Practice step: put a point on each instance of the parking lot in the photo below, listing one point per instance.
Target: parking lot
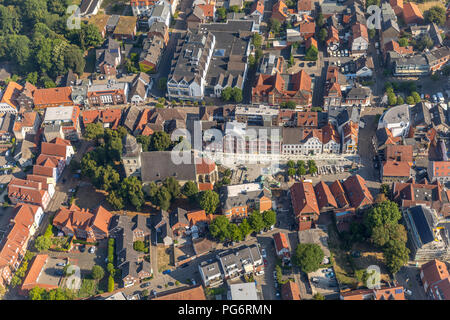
(52, 271)
(323, 281)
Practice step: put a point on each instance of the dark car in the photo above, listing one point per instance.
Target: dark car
(167, 271)
(145, 285)
(185, 265)
(82, 248)
(302, 64)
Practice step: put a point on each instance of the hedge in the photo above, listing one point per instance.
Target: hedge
(110, 284)
(85, 242)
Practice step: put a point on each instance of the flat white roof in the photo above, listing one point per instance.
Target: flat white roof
(235, 190)
(58, 113)
(243, 291)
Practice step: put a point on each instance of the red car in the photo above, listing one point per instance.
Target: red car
(265, 262)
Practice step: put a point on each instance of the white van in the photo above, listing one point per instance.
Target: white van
(440, 96)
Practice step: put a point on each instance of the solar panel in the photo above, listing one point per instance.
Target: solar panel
(398, 291)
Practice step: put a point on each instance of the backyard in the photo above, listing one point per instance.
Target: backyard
(347, 265)
(165, 258)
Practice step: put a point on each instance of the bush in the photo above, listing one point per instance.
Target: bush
(110, 284)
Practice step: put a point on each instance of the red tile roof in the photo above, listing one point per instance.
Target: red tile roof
(195, 217)
(290, 291)
(357, 191)
(258, 6)
(396, 169)
(324, 196)
(206, 166)
(329, 133)
(360, 30)
(208, 10)
(411, 13)
(60, 95)
(304, 5)
(11, 90)
(304, 199)
(434, 272)
(32, 277)
(28, 120)
(337, 190)
(280, 241)
(399, 153)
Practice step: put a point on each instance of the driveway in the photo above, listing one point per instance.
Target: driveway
(409, 278)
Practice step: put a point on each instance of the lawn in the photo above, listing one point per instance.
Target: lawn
(427, 5)
(165, 258)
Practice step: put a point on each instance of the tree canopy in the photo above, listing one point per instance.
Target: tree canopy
(308, 256)
(209, 200)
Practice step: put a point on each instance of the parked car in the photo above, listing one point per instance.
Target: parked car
(184, 265)
(91, 250)
(168, 271)
(263, 253)
(61, 264)
(145, 285)
(265, 263)
(408, 292)
(275, 275)
(82, 248)
(193, 282)
(434, 98)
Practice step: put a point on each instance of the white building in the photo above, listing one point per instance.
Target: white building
(396, 119)
(242, 291)
(160, 13)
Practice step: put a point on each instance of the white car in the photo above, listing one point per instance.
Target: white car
(408, 292)
(346, 52)
(263, 253)
(91, 250)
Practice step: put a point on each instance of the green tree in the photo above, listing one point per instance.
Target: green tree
(115, 201)
(312, 167)
(403, 42)
(372, 33)
(318, 296)
(410, 100)
(270, 218)
(42, 243)
(219, 228)
(160, 141)
(237, 94)
(222, 13)
(311, 54)
(301, 170)
(400, 100)
(139, 246)
(163, 198)
(173, 186)
(97, 272)
(36, 293)
(383, 214)
(190, 189)
(227, 94)
(323, 34)
(396, 255)
(392, 99)
(274, 26)
(308, 256)
(291, 172)
(94, 131)
(257, 40)
(291, 164)
(381, 235)
(32, 78)
(256, 221)
(145, 141)
(245, 227)
(320, 20)
(416, 97)
(209, 200)
(424, 42)
(435, 14)
(234, 232)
